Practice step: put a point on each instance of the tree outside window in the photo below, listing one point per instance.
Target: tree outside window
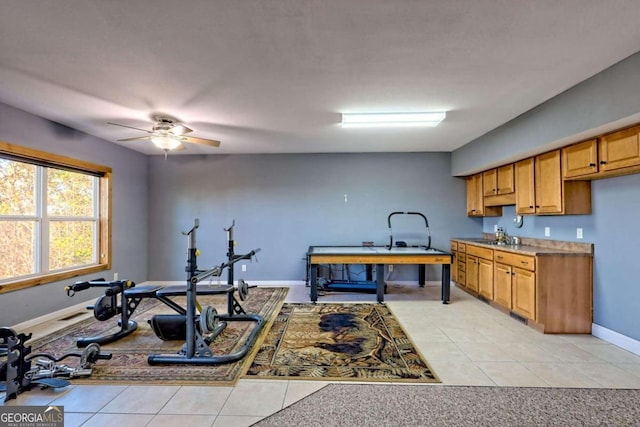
(54, 217)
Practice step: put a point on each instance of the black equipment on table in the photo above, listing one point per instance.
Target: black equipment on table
(404, 244)
(18, 374)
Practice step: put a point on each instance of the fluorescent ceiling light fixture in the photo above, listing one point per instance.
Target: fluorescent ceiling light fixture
(165, 142)
(361, 120)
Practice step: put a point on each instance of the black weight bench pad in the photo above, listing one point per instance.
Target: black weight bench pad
(145, 291)
(181, 290)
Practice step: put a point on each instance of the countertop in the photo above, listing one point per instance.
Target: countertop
(533, 247)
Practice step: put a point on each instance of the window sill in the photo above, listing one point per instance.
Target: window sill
(49, 278)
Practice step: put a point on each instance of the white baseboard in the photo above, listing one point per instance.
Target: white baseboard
(616, 338)
(59, 314)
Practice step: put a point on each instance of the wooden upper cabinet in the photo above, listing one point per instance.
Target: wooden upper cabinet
(506, 182)
(620, 149)
(548, 183)
(525, 184)
(475, 198)
(580, 160)
(490, 180)
(474, 195)
(498, 181)
(541, 190)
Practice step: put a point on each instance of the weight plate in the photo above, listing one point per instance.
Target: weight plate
(208, 319)
(89, 355)
(243, 290)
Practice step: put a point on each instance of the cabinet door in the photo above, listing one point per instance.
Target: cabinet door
(475, 199)
(580, 159)
(454, 266)
(485, 278)
(525, 187)
(524, 293)
(472, 273)
(548, 183)
(502, 289)
(620, 149)
(490, 182)
(504, 181)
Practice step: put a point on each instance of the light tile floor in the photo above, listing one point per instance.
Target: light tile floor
(466, 342)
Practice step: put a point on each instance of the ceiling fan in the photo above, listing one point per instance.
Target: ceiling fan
(168, 134)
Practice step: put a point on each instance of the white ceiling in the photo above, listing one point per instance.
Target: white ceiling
(273, 76)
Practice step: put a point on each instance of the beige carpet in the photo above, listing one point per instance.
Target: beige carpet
(412, 405)
(129, 363)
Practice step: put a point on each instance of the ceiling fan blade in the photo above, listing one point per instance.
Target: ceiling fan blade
(130, 127)
(137, 138)
(201, 141)
(179, 129)
(180, 148)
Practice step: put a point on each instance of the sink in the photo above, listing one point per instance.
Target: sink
(496, 243)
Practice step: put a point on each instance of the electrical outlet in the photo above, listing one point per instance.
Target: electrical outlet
(390, 268)
(115, 276)
(244, 267)
(579, 233)
(547, 231)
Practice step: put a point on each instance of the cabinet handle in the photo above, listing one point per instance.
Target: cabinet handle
(525, 262)
(513, 274)
(592, 165)
(499, 257)
(537, 206)
(507, 272)
(602, 162)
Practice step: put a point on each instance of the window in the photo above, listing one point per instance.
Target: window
(54, 216)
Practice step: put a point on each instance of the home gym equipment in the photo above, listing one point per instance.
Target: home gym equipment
(201, 329)
(198, 330)
(112, 303)
(18, 375)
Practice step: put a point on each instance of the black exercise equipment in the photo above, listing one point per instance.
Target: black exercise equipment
(18, 375)
(404, 244)
(112, 303)
(200, 330)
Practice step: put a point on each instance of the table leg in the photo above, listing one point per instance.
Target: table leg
(380, 282)
(446, 283)
(314, 282)
(421, 275)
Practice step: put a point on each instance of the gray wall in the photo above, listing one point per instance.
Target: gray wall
(285, 203)
(130, 182)
(605, 101)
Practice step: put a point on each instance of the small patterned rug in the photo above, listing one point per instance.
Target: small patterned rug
(129, 363)
(333, 342)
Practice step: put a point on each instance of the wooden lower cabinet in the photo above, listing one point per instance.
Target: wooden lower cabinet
(472, 273)
(553, 291)
(502, 285)
(485, 278)
(523, 293)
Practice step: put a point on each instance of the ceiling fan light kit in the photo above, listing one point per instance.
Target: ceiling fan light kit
(366, 120)
(168, 134)
(165, 142)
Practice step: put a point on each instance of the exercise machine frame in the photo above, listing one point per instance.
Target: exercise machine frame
(196, 349)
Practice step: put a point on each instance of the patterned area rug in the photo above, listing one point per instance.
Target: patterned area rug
(333, 342)
(129, 363)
